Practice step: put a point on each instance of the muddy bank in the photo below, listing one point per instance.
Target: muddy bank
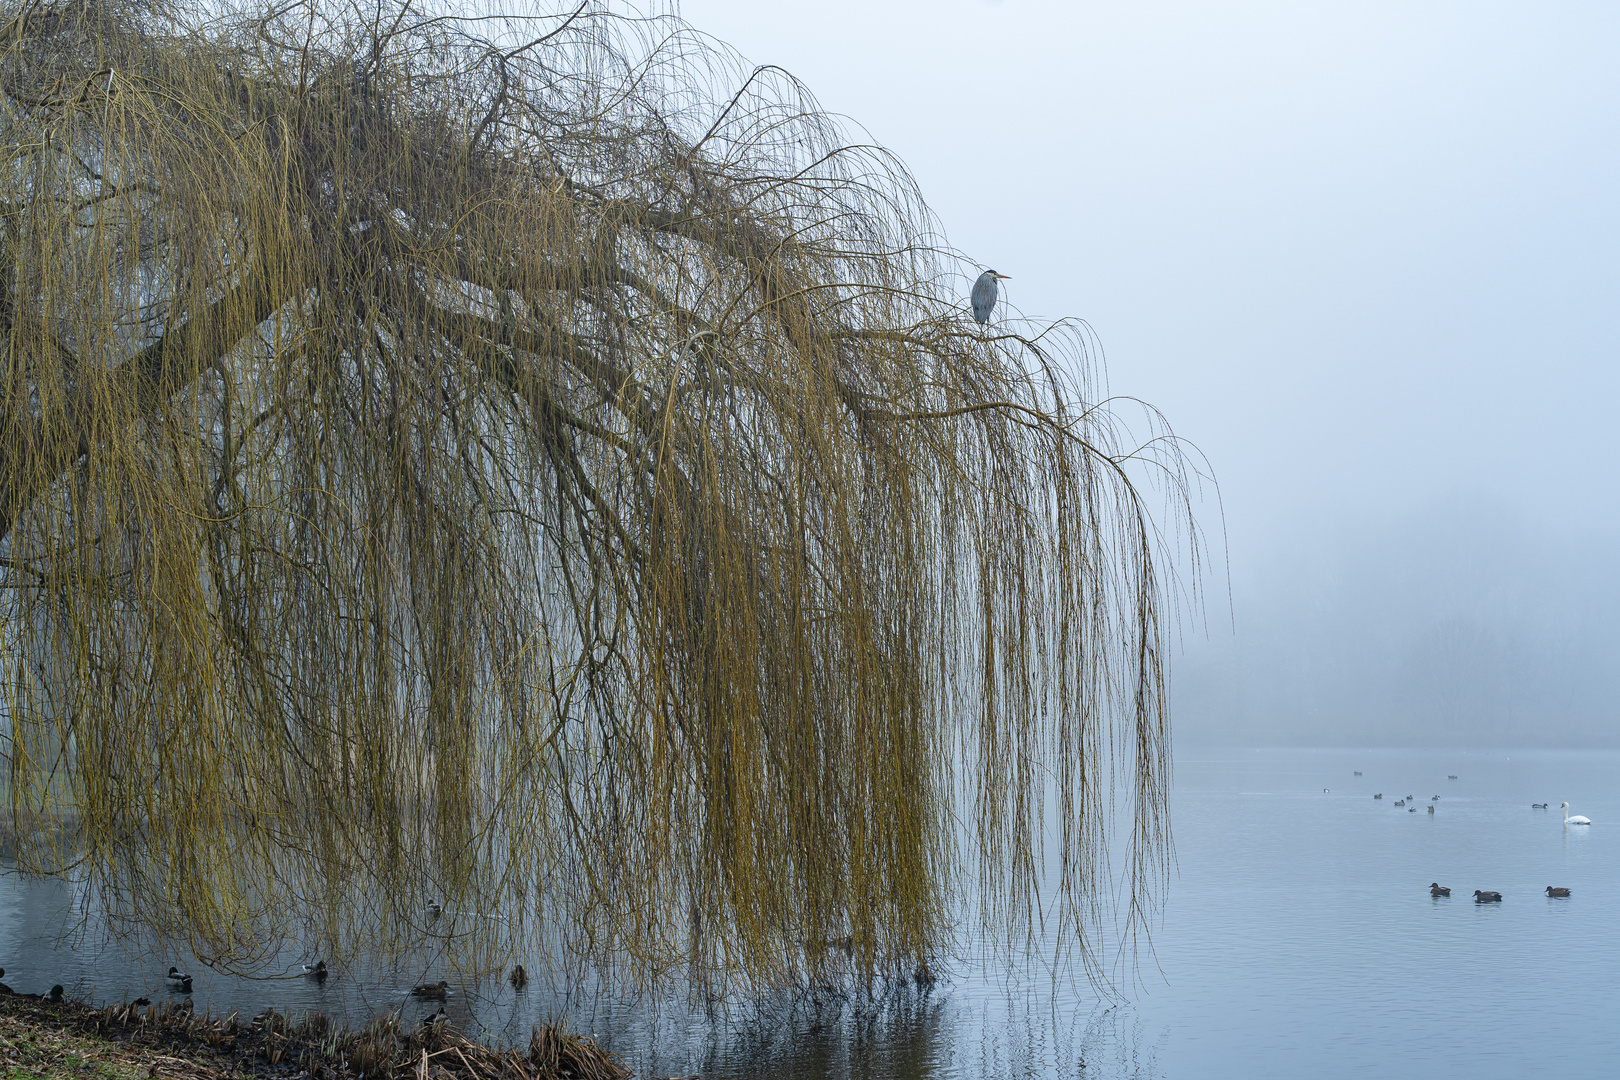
(40, 1038)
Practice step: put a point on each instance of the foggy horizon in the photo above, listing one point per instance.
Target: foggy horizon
(1364, 259)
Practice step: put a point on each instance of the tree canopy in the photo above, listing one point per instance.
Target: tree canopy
(530, 483)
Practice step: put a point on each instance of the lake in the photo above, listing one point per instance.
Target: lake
(1298, 938)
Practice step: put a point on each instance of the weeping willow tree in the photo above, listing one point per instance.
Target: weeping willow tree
(529, 485)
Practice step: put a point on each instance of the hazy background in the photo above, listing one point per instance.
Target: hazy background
(1364, 255)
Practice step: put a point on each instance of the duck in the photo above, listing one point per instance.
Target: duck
(1413, 809)
(316, 971)
(1434, 798)
(1437, 889)
(435, 1019)
(1554, 891)
(1574, 819)
(1400, 802)
(435, 909)
(179, 981)
(55, 995)
(176, 975)
(1431, 808)
(519, 978)
(1380, 795)
(1409, 798)
(1451, 776)
(432, 991)
(4, 989)
(1538, 806)
(1483, 897)
(1358, 772)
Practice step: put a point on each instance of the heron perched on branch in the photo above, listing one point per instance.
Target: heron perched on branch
(984, 295)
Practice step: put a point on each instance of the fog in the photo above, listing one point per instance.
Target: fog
(1365, 257)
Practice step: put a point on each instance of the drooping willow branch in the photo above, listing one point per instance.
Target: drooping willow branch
(527, 484)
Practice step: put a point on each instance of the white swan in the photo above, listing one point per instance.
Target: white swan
(1577, 819)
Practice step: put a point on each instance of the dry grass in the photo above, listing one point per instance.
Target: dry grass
(539, 467)
(34, 1047)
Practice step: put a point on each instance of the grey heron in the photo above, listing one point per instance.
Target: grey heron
(984, 295)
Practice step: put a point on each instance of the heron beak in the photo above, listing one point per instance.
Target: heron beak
(1004, 277)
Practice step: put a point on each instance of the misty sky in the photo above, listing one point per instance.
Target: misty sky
(1364, 255)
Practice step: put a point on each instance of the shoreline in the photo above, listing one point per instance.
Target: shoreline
(71, 1040)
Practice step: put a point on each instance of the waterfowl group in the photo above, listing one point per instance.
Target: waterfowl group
(1490, 896)
(1485, 896)
(1569, 819)
(432, 991)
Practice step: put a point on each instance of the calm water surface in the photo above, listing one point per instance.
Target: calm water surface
(1299, 938)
